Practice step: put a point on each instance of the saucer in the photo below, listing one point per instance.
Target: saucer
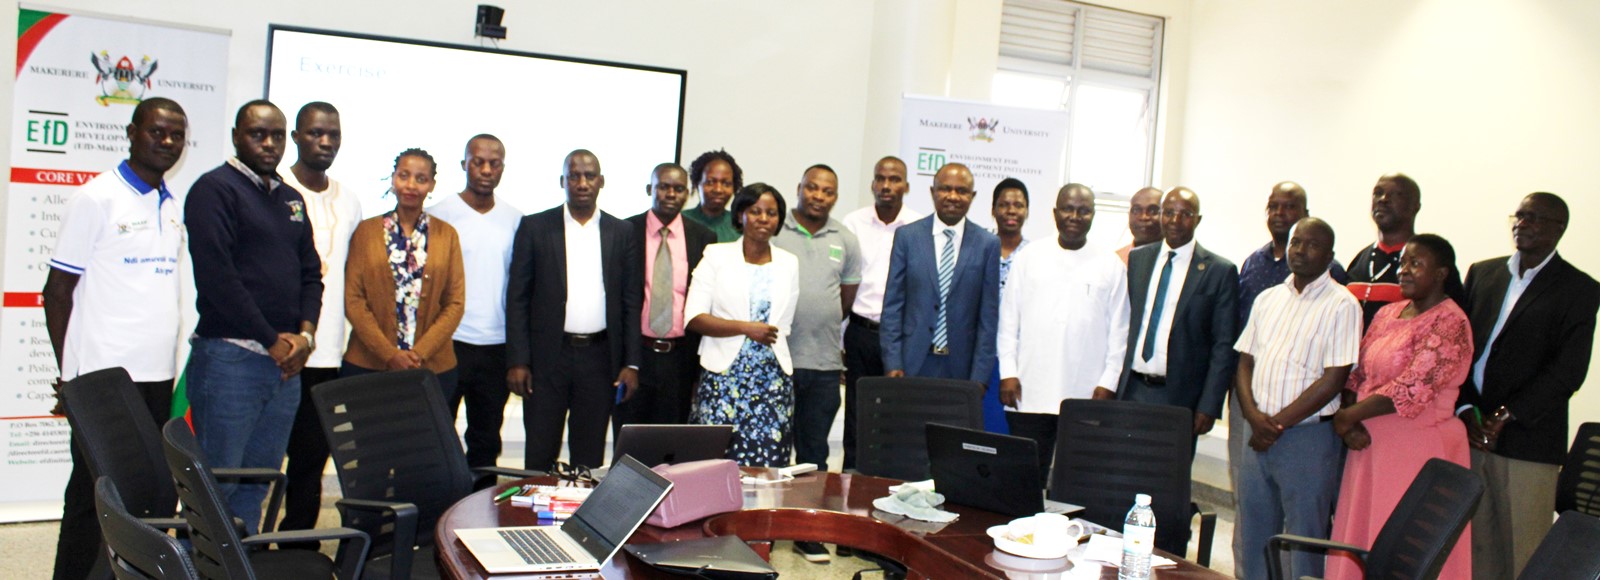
(1035, 551)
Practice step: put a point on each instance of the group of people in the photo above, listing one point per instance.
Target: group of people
(745, 311)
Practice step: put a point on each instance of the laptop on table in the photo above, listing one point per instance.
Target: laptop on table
(658, 444)
(587, 540)
(988, 471)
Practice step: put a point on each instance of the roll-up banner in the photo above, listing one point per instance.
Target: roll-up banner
(79, 77)
(995, 142)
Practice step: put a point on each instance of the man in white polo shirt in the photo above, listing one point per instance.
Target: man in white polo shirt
(334, 213)
(1295, 352)
(111, 298)
(487, 226)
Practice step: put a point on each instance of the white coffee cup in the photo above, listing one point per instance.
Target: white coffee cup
(1052, 529)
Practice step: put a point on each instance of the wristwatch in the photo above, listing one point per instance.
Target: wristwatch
(311, 340)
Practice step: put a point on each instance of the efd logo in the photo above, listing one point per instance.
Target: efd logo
(121, 82)
(983, 129)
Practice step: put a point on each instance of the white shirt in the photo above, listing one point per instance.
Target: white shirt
(486, 240)
(1294, 336)
(939, 229)
(1157, 365)
(1514, 290)
(586, 283)
(334, 214)
(877, 242)
(122, 237)
(1063, 323)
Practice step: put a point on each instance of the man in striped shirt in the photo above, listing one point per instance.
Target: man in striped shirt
(1295, 352)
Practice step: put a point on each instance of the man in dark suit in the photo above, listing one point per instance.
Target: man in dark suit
(1533, 321)
(670, 248)
(572, 300)
(941, 306)
(1183, 308)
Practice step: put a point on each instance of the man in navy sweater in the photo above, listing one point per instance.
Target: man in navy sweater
(258, 282)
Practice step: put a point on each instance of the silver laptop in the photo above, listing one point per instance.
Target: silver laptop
(658, 444)
(587, 540)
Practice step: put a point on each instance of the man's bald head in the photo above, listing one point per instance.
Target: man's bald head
(1285, 206)
(952, 193)
(1185, 195)
(1310, 250)
(1074, 191)
(1180, 215)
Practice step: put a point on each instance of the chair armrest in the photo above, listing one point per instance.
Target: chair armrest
(353, 546)
(404, 535)
(179, 525)
(1208, 530)
(508, 472)
(1281, 543)
(275, 480)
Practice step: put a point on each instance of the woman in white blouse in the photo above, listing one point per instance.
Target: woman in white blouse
(742, 301)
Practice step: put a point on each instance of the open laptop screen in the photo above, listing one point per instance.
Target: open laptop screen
(619, 504)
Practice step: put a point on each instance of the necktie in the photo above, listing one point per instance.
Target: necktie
(661, 289)
(947, 270)
(1156, 308)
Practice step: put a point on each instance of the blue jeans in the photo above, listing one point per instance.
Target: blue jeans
(243, 412)
(816, 403)
(1288, 489)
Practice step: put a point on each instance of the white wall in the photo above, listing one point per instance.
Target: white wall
(1481, 101)
(780, 87)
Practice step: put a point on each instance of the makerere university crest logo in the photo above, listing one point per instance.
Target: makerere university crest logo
(121, 82)
(983, 129)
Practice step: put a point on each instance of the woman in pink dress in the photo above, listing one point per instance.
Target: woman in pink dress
(1413, 360)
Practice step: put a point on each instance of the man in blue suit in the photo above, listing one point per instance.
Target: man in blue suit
(942, 303)
(1183, 320)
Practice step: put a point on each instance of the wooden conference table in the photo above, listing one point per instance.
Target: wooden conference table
(818, 506)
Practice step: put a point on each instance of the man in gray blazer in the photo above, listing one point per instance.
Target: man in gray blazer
(941, 307)
(1184, 318)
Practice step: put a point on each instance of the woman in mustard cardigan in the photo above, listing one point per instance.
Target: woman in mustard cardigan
(404, 286)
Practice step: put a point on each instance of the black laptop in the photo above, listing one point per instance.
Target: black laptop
(988, 471)
(657, 444)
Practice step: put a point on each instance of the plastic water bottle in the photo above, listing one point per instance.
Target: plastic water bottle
(1138, 540)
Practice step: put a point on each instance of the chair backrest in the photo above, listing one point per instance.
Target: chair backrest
(1578, 488)
(1571, 551)
(137, 551)
(112, 428)
(1109, 451)
(892, 415)
(391, 439)
(1419, 534)
(218, 553)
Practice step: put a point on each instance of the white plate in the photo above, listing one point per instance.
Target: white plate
(1036, 551)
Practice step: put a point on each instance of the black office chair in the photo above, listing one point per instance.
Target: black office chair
(1578, 487)
(891, 416)
(137, 551)
(400, 463)
(1417, 537)
(1109, 451)
(1571, 551)
(219, 553)
(112, 428)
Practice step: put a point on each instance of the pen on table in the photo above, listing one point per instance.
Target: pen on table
(507, 493)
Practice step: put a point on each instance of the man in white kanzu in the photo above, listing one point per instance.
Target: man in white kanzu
(1063, 324)
(333, 212)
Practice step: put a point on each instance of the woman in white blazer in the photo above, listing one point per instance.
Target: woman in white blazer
(742, 302)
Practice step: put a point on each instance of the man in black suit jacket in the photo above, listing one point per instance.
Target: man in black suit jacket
(667, 373)
(572, 301)
(1533, 322)
(1187, 358)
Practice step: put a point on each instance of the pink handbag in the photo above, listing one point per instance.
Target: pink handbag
(699, 489)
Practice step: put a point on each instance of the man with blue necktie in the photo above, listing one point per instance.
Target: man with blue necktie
(941, 307)
(1183, 300)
